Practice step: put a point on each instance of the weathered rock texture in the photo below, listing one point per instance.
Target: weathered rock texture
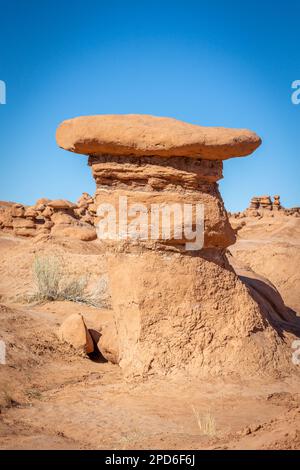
(177, 180)
(264, 206)
(177, 310)
(142, 135)
(56, 218)
(265, 203)
(74, 332)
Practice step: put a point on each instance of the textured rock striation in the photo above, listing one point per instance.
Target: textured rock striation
(55, 218)
(265, 206)
(176, 309)
(144, 135)
(265, 203)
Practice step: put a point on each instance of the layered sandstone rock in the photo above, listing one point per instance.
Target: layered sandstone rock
(265, 206)
(175, 309)
(276, 203)
(56, 218)
(265, 203)
(144, 135)
(172, 181)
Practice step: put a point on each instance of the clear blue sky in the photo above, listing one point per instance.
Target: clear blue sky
(221, 63)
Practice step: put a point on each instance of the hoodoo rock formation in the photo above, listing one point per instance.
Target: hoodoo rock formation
(265, 206)
(176, 309)
(265, 203)
(58, 218)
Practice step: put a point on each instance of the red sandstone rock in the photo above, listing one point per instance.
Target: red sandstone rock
(142, 135)
(61, 204)
(108, 343)
(74, 331)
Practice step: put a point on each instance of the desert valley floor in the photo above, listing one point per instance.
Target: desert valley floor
(52, 397)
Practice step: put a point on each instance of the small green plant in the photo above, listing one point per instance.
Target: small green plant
(52, 283)
(206, 423)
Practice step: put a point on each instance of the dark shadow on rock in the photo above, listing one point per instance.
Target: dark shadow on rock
(96, 355)
(281, 317)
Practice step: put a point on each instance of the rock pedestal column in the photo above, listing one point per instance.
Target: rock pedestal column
(174, 309)
(276, 203)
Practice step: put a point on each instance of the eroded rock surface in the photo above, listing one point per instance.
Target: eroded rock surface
(142, 135)
(74, 332)
(175, 309)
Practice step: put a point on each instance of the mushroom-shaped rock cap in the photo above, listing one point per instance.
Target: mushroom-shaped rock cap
(145, 135)
(61, 204)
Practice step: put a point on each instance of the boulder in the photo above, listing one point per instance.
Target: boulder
(42, 201)
(61, 218)
(83, 200)
(17, 210)
(108, 343)
(88, 218)
(80, 231)
(74, 332)
(30, 213)
(61, 204)
(25, 232)
(47, 212)
(142, 135)
(19, 222)
(92, 208)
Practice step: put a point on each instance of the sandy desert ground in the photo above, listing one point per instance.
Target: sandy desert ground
(52, 397)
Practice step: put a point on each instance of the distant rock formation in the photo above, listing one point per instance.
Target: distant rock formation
(261, 206)
(174, 309)
(265, 203)
(58, 218)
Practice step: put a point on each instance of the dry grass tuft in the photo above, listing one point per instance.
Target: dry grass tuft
(206, 423)
(52, 283)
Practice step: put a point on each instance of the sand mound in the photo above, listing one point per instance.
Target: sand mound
(271, 247)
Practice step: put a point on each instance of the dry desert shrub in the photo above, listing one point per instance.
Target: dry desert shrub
(206, 423)
(47, 276)
(99, 295)
(53, 283)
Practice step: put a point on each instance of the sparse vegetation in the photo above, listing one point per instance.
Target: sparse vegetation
(99, 295)
(47, 276)
(34, 393)
(206, 423)
(53, 283)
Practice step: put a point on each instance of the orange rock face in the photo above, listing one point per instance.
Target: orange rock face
(142, 135)
(174, 309)
(173, 181)
(57, 218)
(74, 331)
